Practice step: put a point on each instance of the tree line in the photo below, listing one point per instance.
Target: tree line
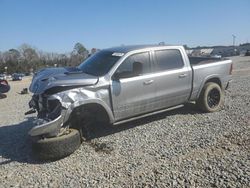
(28, 59)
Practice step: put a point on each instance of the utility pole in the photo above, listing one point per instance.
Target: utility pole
(234, 37)
(235, 50)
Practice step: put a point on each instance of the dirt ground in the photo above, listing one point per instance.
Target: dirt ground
(13, 107)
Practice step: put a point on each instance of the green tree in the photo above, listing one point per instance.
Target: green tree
(79, 49)
(78, 54)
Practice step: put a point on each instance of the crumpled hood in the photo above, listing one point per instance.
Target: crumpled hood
(53, 77)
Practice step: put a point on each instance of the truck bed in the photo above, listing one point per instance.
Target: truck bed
(203, 60)
(206, 68)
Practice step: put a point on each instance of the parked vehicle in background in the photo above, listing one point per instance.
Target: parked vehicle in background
(3, 77)
(217, 56)
(17, 76)
(117, 85)
(22, 74)
(247, 53)
(4, 88)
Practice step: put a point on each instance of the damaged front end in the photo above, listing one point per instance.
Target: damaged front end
(52, 88)
(50, 115)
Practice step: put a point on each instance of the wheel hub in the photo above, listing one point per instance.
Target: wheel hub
(213, 98)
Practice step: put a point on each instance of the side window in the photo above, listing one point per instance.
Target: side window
(140, 62)
(168, 59)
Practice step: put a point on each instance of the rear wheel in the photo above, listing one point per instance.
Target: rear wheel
(211, 98)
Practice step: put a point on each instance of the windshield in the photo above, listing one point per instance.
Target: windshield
(99, 64)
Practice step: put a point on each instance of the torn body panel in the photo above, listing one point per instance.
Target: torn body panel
(54, 111)
(50, 128)
(57, 91)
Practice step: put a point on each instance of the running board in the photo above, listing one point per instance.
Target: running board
(148, 114)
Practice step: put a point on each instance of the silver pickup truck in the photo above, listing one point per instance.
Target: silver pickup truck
(117, 85)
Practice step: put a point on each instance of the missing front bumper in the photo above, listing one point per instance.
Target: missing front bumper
(51, 128)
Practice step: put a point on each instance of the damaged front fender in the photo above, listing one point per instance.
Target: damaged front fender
(50, 123)
(80, 96)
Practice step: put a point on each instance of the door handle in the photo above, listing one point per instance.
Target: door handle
(182, 75)
(148, 82)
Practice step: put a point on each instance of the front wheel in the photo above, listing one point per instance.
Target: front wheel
(211, 98)
(57, 147)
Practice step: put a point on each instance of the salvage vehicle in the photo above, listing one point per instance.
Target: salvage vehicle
(3, 77)
(17, 77)
(117, 85)
(4, 88)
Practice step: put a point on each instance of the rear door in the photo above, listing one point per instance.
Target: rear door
(174, 78)
(133, 95)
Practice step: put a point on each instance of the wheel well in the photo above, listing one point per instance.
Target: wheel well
(215, 80)
(98, 110)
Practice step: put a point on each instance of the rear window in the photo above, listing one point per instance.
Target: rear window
(168, 59)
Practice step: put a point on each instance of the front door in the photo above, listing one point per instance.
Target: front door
(133, 94)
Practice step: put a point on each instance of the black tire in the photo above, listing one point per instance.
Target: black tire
(57, 147)
(84, 122)
(211, 98)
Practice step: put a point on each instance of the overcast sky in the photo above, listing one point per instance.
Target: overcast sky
(57, 25)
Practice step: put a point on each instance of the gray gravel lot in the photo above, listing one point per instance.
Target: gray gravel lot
(179, 148)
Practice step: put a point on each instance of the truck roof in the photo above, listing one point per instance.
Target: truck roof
(126, 49)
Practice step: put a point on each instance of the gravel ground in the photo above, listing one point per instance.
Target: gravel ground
(175, 149)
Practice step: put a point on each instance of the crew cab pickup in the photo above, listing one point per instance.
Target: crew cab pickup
(121, 84)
